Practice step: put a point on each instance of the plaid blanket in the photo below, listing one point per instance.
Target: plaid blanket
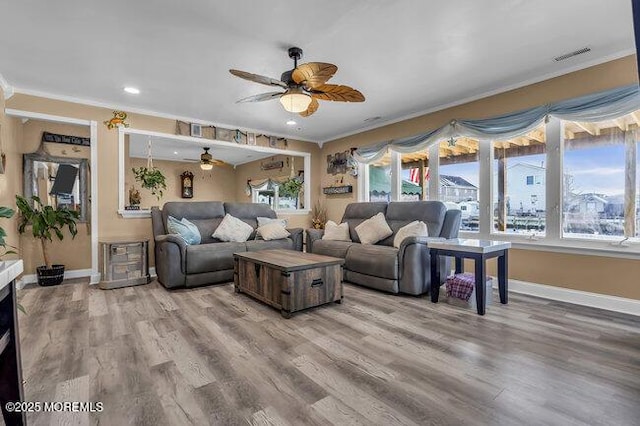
(461, 286)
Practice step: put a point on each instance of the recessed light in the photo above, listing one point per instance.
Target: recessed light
(132, 90)
(291, 123)
(175, 152)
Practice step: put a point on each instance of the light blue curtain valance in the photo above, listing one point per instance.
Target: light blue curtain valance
(595, 107)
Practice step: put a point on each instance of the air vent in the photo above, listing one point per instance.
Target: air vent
(370, 119)
(572, 54)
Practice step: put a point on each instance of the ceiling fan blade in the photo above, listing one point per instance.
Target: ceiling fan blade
(313, 74)
(313, 107)
(261, 97)
(258, 78)
(335, 92)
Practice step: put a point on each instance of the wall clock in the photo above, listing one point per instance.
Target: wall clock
(186, 180)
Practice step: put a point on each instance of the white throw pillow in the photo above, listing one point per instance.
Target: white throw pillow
(264, 220)
(335, 232)
(373, 229)
(272, 231)
(413, 229)
(233, 229)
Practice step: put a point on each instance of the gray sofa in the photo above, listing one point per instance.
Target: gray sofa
(381, 266)
(182, 265)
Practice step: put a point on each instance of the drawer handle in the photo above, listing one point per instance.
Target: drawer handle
(317, 282)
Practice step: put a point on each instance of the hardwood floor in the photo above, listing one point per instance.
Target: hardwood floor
(209, 356)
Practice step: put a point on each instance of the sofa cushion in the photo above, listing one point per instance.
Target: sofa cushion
(417, 228)
(257, 245)
(272, 231)
(335, 232)
(187, 230)
(356, 213)
(265, 220)
(212, 257)
(249, 212)
(401, 213)
(373, 229)
(206, 215)
(332, 248)
(233, 229)
(378, 261)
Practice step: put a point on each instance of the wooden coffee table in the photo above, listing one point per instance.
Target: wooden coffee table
(288, 280)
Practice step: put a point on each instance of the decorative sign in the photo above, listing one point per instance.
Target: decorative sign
(333, 190)
(70, 140)
(338, 163)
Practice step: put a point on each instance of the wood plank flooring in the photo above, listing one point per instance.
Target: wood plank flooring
(209, 356)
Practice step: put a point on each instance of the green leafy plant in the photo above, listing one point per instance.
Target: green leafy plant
(290, 188)
(45, 222)
(5, 212)
(151, 179)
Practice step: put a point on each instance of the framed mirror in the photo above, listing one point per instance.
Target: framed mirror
(58, 181)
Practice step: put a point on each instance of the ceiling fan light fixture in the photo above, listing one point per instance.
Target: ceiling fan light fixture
(205, 160)
(206, 166)
(295, 100)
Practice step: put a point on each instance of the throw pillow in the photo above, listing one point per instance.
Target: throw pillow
(373, 229)
(335, 232)
(272, 231)
(264, 220)
(233, 229)
(187, 230)
(413, 229)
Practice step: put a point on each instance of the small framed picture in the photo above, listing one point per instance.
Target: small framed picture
(251, 138)
(196, 130)
(273, 141)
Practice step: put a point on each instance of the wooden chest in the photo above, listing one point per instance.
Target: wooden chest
(289, 280)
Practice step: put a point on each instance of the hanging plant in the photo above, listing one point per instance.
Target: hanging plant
(149, 177)
(290, 188)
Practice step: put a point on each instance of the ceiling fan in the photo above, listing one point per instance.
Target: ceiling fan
(304, 85)
(206, 160)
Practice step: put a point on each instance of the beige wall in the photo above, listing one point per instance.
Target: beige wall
(217, 184)
(11, 180)
(111, 224)
(605, 275)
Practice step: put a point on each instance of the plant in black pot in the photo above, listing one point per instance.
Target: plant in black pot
(45, 222)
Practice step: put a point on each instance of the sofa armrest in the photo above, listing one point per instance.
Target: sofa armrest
(451, 224)
(312, 236)
(167, 246)
(297, 234)
(414, 264)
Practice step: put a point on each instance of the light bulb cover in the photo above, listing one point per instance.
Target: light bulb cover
(206, 166)
(295, 100)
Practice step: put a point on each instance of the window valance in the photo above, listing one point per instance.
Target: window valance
(595, 107)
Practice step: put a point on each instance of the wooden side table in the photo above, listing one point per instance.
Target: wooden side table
(479, 251)
(124, 262)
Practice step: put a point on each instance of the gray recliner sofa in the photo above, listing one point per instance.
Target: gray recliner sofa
(381, 266)
(181, 265)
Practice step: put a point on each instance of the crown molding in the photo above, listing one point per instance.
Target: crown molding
(7, 89)
(152, 113)
(503, 89)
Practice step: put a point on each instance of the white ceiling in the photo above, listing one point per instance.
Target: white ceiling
(406, 56)
(189, 151)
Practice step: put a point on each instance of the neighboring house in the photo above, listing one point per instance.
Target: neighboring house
(525, 189)
(598, 205)
(455, 189)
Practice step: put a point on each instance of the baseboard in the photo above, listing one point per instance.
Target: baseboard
(577, 297)
(33, 278)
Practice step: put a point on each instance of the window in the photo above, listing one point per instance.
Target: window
(269, 194)
(459, 179)
(380, 179)
(519, 192)
(600, 193)
(415, 176)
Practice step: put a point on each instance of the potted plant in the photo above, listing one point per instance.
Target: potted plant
(318, 216)
(290, 188)
(151, 178)
(5, 212)
(45, 222)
